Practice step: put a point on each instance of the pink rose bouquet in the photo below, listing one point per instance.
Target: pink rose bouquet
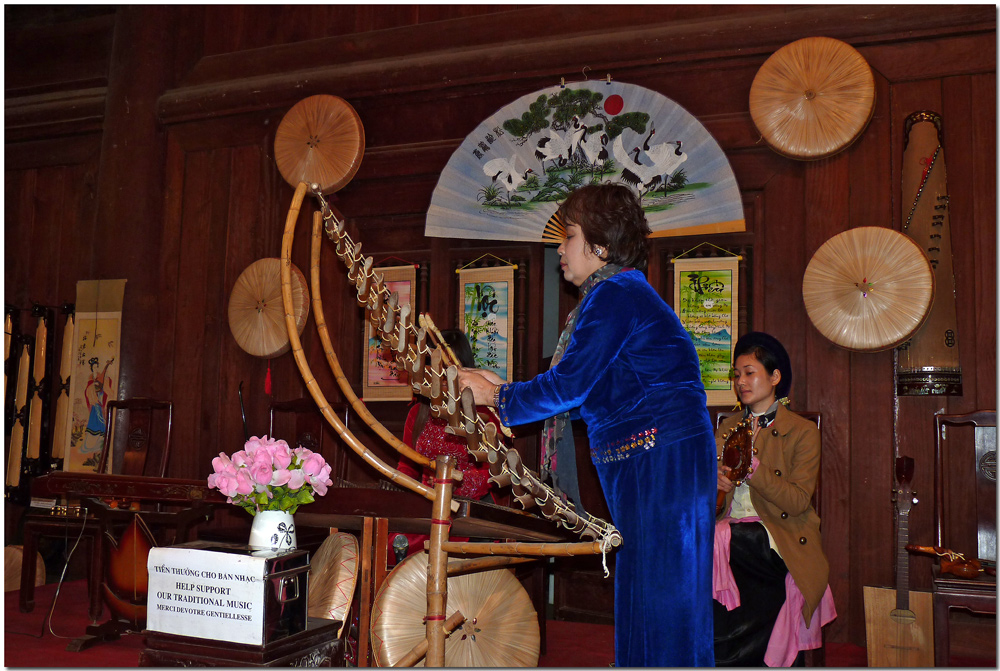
(268, 475)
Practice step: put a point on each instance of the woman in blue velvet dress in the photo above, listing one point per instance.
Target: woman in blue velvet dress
(625, 365)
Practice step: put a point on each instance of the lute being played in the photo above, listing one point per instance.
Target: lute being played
(737, 454)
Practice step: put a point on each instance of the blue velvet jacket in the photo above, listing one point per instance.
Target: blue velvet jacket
(630, 372)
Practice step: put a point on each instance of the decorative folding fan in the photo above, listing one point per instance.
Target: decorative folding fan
(333, 576)
(506, 179)
(256, 315)
(812, 98)
(320, 141)
(868, 289)
(500, 629)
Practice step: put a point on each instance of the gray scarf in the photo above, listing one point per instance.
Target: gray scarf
(558, 446)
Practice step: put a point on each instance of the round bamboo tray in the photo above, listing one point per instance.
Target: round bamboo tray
(333, 576)
(256, 314)
(500, 628)
(320, 141)
(812, 98)
(868, 289)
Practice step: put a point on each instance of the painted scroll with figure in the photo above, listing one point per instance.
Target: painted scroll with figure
(383, 380)
(706, 299)
(506, 179)
(94, 377)
(486, 296)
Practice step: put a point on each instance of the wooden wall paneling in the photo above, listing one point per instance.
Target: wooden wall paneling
(827, 207)
(36, 56)
(984, 224)
(19, 219)
(200, 188)
(131, 176)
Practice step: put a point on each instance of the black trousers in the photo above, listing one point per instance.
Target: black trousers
(742, 634)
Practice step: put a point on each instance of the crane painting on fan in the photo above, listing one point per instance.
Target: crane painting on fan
(506, 179)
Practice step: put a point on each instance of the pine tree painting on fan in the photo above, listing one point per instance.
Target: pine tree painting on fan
(508, 176)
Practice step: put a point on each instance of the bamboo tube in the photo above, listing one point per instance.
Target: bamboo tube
(35, 407)
(296, 345)
(17, 431)
(461, 566)
(331, 355)
(426, 321)
(437, 561)
(59, 433)
(420, 649)
(518, 548)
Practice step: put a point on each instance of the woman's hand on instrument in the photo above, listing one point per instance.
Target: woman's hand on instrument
(725, 484)
(482, 383)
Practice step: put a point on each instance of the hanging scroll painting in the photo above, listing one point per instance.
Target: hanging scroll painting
(383, 380)
(706, 297)
(506, 179)
(486, 296)
(94, 377)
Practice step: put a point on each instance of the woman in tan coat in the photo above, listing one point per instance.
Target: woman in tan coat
(776, 586)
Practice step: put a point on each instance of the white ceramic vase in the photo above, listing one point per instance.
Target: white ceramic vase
(273, 530)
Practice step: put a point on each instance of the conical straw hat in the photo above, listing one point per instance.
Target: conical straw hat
(333, 575)
(256, 313)
(868, 289)
(320, 141)
(500, 628)
(812, 98)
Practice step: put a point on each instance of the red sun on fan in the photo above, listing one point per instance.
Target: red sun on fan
(614, 104)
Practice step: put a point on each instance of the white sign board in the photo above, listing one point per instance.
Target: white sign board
(205, 594)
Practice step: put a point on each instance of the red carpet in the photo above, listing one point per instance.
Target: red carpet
(28, 641)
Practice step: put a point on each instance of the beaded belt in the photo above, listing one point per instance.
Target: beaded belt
(623, 448)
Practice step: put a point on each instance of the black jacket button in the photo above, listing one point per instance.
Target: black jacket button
(777, 472)
(784, 516)
(802, 541)
(774, 432)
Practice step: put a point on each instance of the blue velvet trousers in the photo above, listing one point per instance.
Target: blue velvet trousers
(663, 502)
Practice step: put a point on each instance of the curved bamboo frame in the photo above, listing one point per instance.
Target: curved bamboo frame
(300, 359)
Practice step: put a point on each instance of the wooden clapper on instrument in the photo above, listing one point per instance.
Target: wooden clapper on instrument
(900, 623)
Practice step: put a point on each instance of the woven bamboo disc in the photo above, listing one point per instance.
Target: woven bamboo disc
(812, 98)
(333, 575)
(500, 628)
(868, 289)
(320, 141)
(256, 315)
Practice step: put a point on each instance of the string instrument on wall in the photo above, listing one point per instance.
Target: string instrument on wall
(900, 623)
(737, 454)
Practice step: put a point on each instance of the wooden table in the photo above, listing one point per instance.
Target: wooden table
(318, 645)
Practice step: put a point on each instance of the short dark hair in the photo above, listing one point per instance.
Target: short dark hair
(459, 343)
(610, 215)
(772, 355)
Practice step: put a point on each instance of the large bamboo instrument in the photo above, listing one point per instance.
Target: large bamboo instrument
(37, 378)
(410, 346)
(20, 418)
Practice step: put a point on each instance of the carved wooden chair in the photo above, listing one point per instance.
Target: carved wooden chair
(949, 592)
